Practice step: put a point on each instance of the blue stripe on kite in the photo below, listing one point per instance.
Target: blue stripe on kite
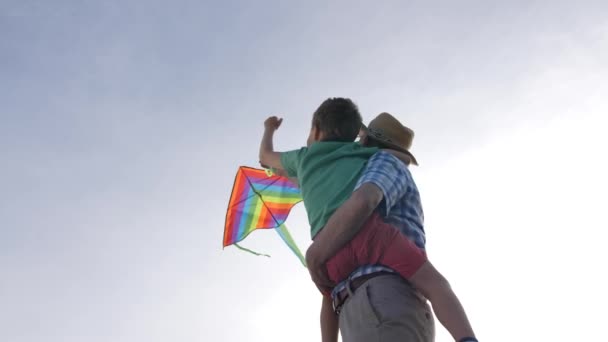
(251, 197)
(279, 189)
(265, 181)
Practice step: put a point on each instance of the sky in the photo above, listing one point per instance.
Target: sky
(123, 124)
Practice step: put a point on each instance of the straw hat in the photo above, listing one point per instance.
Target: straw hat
(387, 130)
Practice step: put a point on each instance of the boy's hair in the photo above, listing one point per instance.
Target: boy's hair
(338, 119)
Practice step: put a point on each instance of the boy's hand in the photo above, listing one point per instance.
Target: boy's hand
(272, 123)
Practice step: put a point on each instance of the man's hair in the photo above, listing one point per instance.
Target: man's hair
(338, 119)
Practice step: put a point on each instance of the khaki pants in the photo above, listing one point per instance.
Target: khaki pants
(386, 309)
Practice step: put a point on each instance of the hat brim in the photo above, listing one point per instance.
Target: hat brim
(402, 150)
(390, 144)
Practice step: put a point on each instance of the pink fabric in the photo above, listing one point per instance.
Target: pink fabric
(377, 243)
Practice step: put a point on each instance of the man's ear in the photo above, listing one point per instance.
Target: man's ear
(364, 140)
(362, 133)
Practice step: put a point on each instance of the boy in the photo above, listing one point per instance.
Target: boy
(327, 171)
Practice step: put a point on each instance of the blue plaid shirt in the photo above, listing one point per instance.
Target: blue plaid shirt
(400, 206)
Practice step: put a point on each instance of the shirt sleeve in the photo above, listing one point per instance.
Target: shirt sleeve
(291, 160)
(389, 174)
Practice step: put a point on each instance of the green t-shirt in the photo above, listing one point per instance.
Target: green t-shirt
(327, 172)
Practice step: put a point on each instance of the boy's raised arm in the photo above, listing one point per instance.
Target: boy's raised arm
(268, 157)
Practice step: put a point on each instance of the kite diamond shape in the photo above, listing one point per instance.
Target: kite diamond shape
(260, 201)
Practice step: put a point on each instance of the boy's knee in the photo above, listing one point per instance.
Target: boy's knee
(430, 281)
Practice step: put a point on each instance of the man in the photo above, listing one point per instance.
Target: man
(374, 304)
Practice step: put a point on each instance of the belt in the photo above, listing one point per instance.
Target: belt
(341, 297)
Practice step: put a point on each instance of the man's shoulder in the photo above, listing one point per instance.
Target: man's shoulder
(386, 159)
(389, 174)
(385, 168)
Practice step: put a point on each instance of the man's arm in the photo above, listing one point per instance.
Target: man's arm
(384, 180)
(329, 321)
(268, 157)
(341, 227)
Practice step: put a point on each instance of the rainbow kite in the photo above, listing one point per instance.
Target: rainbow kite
(260, 200)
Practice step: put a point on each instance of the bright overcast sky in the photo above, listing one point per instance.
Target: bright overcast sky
(123, 123)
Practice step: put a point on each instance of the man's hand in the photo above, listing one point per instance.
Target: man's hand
(315, 261)
(272, 123)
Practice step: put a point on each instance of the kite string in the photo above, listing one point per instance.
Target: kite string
(250, 251)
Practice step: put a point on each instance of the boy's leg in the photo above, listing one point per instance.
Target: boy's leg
(329, 321)
(381, 243)
(376, 243)
(395, 311)
(445, 303)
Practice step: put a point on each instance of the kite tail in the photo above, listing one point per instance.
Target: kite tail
(284, 234)
(250, 251)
